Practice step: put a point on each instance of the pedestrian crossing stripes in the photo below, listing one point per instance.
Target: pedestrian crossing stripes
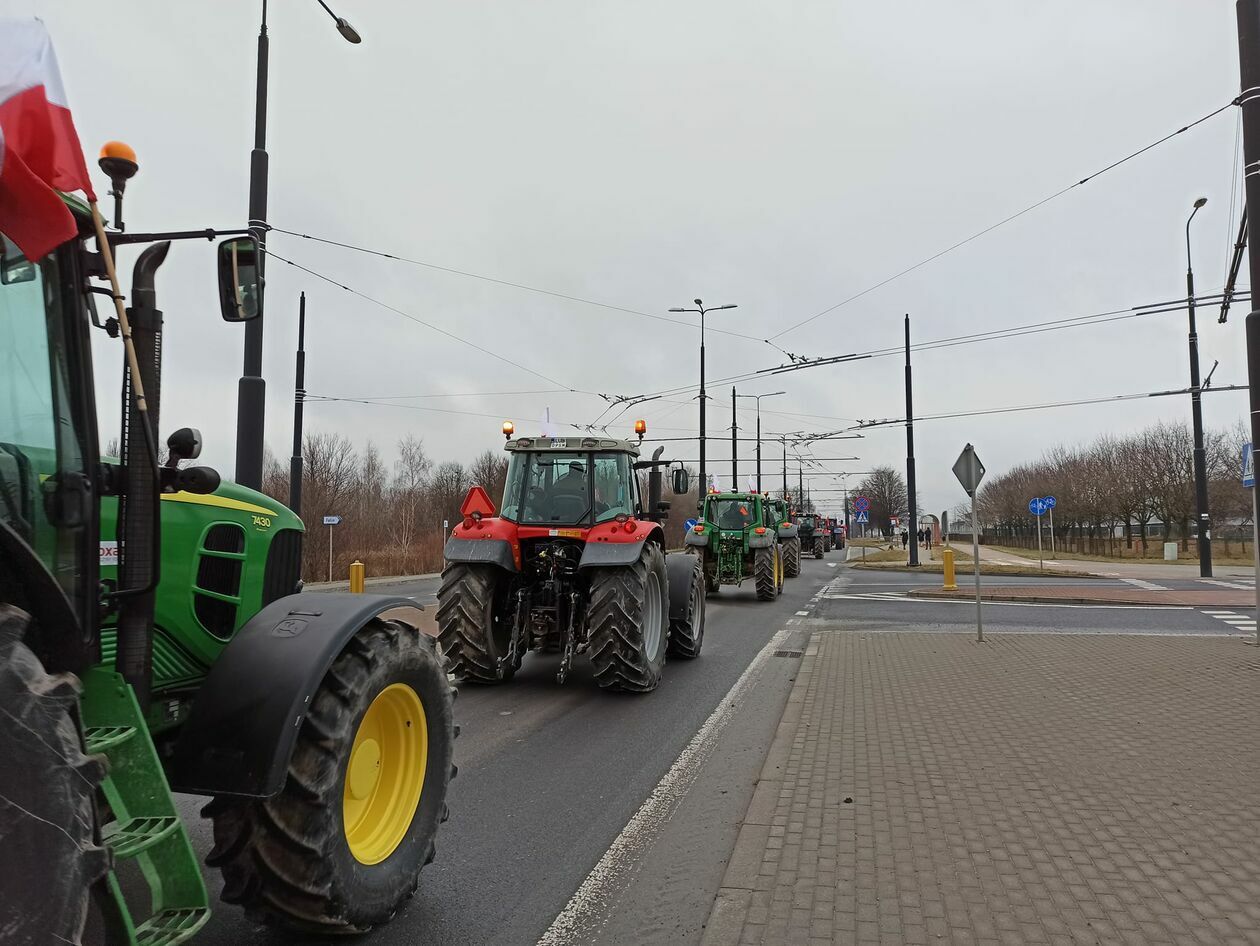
(1238, 584)
(1239, 622)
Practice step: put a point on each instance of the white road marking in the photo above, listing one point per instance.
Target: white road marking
(1236, 585)
(831, 564)
(583, 915)
(989, 602)
(1144, 585)
(802, 614)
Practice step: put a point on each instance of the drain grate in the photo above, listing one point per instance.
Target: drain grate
(789, 653)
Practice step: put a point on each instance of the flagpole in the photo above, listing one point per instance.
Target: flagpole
(124, 326)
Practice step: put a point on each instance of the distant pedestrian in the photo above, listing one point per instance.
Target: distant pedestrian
(905, 538)
(927, 538)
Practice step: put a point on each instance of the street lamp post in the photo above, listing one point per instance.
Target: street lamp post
(1196, 405)
(757, 398)
(251, 392)
(701, 309)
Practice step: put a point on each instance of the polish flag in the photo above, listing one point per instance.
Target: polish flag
(39, 148)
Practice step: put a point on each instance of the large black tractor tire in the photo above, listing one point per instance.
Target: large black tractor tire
(709, 569)
(474, 620)
(628, 617)
(818, 547)
(49, 859)
(288, 859)
(792, 557)
(766, 573)
(687, 604)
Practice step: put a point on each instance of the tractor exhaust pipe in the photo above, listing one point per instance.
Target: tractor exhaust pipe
(655, 513)
(139, 534)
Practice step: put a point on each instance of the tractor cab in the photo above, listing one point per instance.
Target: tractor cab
(572, 481)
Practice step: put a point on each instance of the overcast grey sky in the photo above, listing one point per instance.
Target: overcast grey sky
(782, 156)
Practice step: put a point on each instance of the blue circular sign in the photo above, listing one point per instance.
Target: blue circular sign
(690, 524)
(1036, 506)
(1048, 502)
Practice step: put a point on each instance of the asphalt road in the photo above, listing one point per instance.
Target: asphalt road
(550, 775)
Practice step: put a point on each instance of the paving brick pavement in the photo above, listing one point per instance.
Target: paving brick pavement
(1034, 789)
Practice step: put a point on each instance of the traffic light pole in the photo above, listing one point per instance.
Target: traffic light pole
(910, 480)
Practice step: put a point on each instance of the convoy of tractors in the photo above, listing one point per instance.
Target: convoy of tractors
(155, 637)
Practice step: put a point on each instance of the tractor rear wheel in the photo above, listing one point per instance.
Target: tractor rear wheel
(766, 573)
(49, 859)
(340, 848)
(628, 617)
(818, 547)
(474, 620)
(686, 633)
(792, 557)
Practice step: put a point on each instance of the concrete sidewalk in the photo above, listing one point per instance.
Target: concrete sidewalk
(1115, 568)
(1036, 789)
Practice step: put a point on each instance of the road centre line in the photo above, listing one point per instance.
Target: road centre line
(584, 913)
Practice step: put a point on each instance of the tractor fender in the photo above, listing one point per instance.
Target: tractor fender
(761, 541)
(480, 551)
(244, 722)
(788, 532)
(619, 548)
(693, 538)
(679, 570)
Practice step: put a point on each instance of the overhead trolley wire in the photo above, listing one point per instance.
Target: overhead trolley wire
(1005, 220)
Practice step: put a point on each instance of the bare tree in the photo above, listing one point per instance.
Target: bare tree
(886, 489)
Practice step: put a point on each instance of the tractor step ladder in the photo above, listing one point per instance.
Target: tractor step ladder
(143, 824)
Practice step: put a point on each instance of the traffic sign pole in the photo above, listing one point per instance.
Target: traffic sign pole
(975, 566)
(968, 470)
(1052, 552)
(1041, 561)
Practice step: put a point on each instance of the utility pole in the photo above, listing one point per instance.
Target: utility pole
(299, 397)
(1196, 411)
(785, 486)
(910, 483)
(701, 310)
(1249, 69)
(251, 389)
(734, 444)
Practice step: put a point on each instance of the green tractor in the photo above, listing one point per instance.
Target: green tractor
(789, 537)
(153, 638)
(737, 539)
(812, 529)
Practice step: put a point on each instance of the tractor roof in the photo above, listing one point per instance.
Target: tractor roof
(579, 444)
(731, 495)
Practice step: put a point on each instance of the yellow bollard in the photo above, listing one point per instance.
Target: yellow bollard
(947, 559)
(358, 574)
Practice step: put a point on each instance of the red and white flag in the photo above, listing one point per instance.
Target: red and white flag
(39, 148)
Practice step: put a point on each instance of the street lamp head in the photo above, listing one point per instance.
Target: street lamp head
(697, 302)
(1200, 202)
(348, 31)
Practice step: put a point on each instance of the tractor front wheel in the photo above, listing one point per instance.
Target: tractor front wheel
(766, 573)
(339, 849)
(474, 620)
(792, 557)
(628, 618)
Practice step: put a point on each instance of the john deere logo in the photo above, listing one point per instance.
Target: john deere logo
(289, 627)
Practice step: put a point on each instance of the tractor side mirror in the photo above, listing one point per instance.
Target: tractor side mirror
(240, 279)
(681, 481)
(183, 444)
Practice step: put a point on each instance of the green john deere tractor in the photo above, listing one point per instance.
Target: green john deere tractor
(153, 639)
(789, 537)
(737, 539)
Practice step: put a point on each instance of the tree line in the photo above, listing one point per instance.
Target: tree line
(1135, 485)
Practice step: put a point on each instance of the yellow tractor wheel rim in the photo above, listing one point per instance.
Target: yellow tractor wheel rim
(385, 774)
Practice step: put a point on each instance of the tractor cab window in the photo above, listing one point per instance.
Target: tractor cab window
(614, 489)
(39, 442)
(548, 487)
(731, 513)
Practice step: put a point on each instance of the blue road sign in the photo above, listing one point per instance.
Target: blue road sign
(1248, 467)
(862, 504)
(691, 524)
(1037, 506)
(862, 516)
(1047, 501)
(332, 520)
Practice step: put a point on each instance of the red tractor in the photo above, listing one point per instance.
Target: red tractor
(574, 563)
